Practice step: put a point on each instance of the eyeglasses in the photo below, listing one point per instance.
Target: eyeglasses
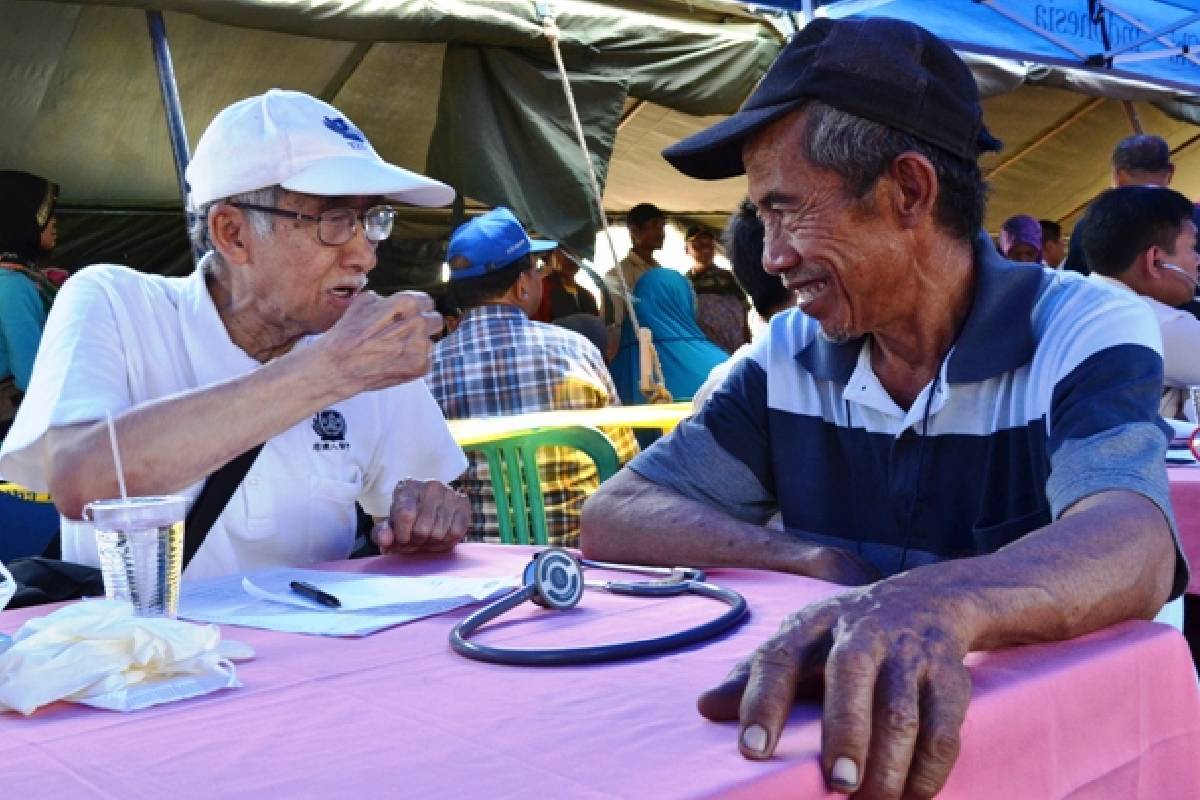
(336, 226)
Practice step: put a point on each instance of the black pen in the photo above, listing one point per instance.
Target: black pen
(305, 589)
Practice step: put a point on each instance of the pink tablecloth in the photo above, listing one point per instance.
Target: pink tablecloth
(1112, 715)
(1185, 499)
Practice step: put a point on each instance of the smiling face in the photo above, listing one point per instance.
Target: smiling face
(295, 284)
(841, 255)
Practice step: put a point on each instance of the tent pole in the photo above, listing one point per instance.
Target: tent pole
(1144, 28)
(170, 95)
(172, 107)
(1152, 35)
(628, 116)
(1175, 151)
(1135, 121)
(1046, 136)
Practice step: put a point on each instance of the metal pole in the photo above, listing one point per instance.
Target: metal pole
(171, 104)
(1135, 121)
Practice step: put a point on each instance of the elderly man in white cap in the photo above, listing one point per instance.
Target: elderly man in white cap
(273, 339)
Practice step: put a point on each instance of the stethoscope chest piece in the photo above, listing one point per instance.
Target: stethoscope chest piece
(554, 580)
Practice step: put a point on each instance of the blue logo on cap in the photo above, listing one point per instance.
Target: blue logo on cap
(343, 128)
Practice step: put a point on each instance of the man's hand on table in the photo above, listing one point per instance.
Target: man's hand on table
(426, 517)
(896, 690)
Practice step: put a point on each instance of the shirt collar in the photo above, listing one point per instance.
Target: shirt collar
(636, 259)
(996, 337)
(491, 311)
(213, 354)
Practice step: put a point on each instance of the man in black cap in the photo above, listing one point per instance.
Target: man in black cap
(980, 433)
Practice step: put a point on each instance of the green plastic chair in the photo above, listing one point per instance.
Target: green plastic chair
(517, 485)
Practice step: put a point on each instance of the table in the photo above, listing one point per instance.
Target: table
(1112, 715)
(661, 417)
(1185, 500)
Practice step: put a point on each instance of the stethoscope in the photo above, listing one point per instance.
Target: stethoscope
(554, 579)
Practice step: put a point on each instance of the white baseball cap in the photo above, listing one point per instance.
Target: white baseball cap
(303, 144)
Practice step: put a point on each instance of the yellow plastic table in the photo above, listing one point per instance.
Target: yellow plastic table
(661, 417)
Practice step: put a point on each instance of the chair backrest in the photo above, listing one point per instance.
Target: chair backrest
(517, 485)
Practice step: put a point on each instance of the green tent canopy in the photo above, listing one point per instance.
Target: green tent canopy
(467, 92)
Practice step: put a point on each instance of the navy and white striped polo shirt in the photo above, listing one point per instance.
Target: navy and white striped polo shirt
(1049, 394)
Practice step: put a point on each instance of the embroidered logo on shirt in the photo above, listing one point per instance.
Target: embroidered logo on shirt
(330, 425)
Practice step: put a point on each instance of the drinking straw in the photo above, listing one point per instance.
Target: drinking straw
(112, 439)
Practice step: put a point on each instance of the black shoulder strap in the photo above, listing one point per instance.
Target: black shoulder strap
(215, 495)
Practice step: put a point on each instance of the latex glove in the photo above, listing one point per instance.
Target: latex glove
(97, 652)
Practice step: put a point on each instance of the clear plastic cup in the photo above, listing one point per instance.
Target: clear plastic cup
(140, 541)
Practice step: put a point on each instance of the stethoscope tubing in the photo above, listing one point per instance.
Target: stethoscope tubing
(602, 653)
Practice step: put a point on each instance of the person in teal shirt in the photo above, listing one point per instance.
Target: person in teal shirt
(665, 303)
(27, 231)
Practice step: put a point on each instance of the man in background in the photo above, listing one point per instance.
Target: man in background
(1139, 160)
(1053, 249)
(721, 304)
(647, 232)
(743, 240)
(499, 362)
(1141, 239)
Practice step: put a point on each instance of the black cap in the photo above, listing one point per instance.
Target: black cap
(886, 70)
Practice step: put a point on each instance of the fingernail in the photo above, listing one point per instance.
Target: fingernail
(754, 738)
(845, 773)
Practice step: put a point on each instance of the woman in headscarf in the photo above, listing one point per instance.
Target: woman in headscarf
(664, 303)
(27, 231)
(1021, 239)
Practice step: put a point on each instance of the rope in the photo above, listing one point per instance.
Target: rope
(651, 383)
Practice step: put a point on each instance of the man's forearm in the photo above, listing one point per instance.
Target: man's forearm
(636, 521)
(1109, 558)
(171, 443)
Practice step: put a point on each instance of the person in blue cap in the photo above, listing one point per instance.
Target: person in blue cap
(980, 436)
(500, 362)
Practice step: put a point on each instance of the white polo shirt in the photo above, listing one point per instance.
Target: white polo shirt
(1180, 348)
(117, 338)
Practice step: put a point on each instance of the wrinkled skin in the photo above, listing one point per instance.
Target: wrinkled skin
(895, 688)
(426, 517)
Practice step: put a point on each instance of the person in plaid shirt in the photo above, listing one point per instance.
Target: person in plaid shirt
(499, 362)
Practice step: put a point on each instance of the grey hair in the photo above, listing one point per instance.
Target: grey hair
(262, 224)
(859, 151)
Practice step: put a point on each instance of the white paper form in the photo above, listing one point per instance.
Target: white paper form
(369, 602)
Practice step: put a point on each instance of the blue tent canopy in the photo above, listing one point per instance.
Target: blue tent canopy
(1155, 41)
